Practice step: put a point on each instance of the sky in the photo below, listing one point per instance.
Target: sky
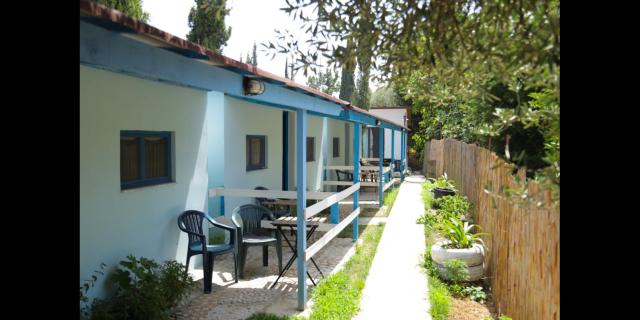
(250, 20)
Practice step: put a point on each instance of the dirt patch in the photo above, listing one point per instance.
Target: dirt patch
(375, 212)
(466, 309)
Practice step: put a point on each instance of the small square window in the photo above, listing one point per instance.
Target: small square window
(145, 158)
(336, 147)
(256, 152)
(311, 154)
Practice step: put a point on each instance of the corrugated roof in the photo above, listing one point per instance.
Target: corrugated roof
(114, 19)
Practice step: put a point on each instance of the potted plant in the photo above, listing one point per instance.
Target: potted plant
(462, 244)
(443, 187)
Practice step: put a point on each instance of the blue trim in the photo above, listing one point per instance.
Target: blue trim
(381, 157)
(222, 205)
(301, 178)
(335, 213)
(104, 49)
(142, 181)
(356, 175)
(393, 155)
(403, 148)
(285, 150)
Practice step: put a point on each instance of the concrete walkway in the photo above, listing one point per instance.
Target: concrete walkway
(396, 287)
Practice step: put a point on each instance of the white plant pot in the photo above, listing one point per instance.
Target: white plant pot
(475, 272)
(473, 257)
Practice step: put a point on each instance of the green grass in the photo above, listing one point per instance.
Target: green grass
(338, 295)
(265, 316)
(439, 294)
(440, 299)
(216, 238)
(390, 198)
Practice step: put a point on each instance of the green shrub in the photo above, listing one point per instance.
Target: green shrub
(475, 293)
(85, 309)
(143, 290)
(456, 271)
(452, 206)
(428, 219)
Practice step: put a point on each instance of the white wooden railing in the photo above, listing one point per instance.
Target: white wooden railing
(326, 203)
(315, 195)
(385, 170)
(327, 199)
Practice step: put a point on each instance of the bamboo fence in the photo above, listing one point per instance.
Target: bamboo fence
(522, 263)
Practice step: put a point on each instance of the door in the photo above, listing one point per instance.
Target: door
(375, 142)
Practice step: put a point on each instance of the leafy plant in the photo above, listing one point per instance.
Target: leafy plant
(428, 219)
(452, 206)
(84, 289)
(444, 183)
(143, 290)
(475, 293)
(456, 271)
(459, 234)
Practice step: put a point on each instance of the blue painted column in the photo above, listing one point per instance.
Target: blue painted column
(301, 182)
(393, 155)
(402, 150)
(356, 174)
(335, 213)
(222, 206)
(285, 150)
(381, 158)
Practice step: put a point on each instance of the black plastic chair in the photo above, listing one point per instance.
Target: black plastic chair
(190, 222)
(265, 202)
(343, 176)
(369, 175)
(248, 218)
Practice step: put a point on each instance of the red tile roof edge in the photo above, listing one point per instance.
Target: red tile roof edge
(91, 8)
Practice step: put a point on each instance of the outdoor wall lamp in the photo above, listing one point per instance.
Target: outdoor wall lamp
(252, 87)
(378, 122)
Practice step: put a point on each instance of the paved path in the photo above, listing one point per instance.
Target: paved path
(396, 287)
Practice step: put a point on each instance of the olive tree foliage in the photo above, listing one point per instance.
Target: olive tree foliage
(386, 96)
(447, 56)
(327, 81)
(132, 8)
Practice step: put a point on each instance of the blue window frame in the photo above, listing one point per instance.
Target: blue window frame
(145, 158)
